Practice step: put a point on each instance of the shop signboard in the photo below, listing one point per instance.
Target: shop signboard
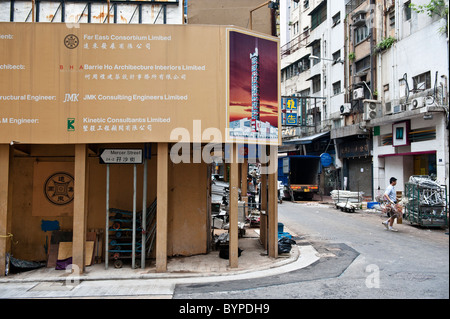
(354, 149)
(111, 83)
(290, 107)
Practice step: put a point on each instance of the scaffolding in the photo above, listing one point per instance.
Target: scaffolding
(89, 11)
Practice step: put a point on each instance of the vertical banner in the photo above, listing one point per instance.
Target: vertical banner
(253, 103)
(303, 104)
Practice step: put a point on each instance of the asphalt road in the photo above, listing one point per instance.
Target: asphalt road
(360, 259)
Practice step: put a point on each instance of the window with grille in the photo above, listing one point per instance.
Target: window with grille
(422, 81)
(361, 33)
(316, 84)
(319, 16)
(337, 87)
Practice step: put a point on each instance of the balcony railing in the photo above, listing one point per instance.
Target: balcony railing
(299, 42)
(351, 5)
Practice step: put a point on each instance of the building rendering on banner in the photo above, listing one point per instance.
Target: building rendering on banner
(255, 91)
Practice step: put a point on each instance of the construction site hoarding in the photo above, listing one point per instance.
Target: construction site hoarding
(108, 83)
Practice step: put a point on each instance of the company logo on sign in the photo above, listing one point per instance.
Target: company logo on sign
(71, 41)
(58, 188)
(71, 124)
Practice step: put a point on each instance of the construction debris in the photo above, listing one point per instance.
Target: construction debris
(347, 201)
(347, 196)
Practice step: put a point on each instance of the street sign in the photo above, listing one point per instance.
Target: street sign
(121, 156)
(291, 119)
(289, 104)
(290, 112)
(326, 159)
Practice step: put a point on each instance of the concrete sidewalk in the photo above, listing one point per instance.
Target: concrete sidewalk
(136, 284)
(98, 282)
(253, 263)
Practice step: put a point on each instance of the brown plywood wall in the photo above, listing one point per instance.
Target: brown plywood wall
(187, 201)
(230, 12)
(187, 209)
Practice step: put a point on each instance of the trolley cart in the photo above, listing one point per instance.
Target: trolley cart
(427, 202)
(347, 201)
(120, 239)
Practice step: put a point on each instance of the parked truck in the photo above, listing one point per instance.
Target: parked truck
(299, 175)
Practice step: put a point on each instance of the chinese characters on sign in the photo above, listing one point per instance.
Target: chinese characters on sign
(121, 156)
(109, 83)
(116, 128)
(290, 111)
(354, 149)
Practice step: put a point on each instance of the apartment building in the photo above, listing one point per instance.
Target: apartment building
(313, 69)
(410, 130)
(352, 140)
(369, 67)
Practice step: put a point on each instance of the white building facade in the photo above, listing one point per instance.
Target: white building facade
(413, 85)
(313, 70)
(312, 61)
(398, 58)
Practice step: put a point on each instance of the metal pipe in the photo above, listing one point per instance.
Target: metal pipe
(11, 11)
(37, 10)
(144, 214)
(107, 218)
(164, 14)
(109, 9)
(133, 253)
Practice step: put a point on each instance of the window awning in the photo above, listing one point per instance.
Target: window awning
(312, 77)
(317, 8)
(307, 139)
(312, 43)
(305, 56)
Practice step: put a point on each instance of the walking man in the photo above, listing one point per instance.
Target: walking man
(390, 196)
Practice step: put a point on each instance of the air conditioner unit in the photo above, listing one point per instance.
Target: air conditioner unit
(359, 19)
(358, 94)
(372, 109)
(387, 109)
(399, 108)
(416, 103)
(345, 108)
